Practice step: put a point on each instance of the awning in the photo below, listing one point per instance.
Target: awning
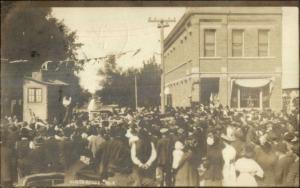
(252, 83)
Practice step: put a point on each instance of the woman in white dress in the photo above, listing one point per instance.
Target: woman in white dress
(248, 168)
(229, 154)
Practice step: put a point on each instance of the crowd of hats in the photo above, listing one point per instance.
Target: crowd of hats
(225, 122)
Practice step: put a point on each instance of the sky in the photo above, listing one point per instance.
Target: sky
(103, 31)
(114, 30)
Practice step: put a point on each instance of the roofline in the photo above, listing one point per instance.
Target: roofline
(45, 83)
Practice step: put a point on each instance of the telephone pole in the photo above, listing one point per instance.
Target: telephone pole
(135, 93)
(162, 23)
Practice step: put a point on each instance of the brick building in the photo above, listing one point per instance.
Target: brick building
(231, 56)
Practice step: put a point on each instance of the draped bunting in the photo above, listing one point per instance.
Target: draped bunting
(252, 83)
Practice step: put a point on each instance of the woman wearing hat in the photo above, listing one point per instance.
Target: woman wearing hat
(248, 168)
(229, 156)
(186, 173)
(213, 175)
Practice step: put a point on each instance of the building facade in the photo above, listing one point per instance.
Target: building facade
(43, 98)
(228, 55)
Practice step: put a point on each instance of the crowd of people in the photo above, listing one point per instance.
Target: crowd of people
(200, 146)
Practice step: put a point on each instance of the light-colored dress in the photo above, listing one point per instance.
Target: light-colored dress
(248, 168)
(229, 174)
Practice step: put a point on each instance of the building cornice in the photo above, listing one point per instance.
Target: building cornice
(178, 29)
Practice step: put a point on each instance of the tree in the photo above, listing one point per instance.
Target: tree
(149, 84)
(33, 34)
(118, 87)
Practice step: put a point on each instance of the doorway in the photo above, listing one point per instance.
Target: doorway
(209, 90)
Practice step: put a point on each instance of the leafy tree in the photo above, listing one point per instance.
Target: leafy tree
(119, 85)
(149, 84)
(33, 34)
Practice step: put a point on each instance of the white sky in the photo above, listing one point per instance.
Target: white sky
(112, 30)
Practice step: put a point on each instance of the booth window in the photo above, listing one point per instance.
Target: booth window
(34, 95)
(209, 43)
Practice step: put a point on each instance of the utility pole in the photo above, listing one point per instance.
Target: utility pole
(162, 23)
(135, 93)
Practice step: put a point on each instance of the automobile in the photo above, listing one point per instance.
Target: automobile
(41, 180)
(56, 179)
(104, 111)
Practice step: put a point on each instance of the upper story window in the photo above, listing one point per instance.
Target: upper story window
(34, 95)
(263, 43)
(237, 43)
(209, 42)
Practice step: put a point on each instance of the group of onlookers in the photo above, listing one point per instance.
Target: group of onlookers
(202, 146)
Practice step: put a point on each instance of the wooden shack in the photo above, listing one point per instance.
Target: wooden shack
(43, 97)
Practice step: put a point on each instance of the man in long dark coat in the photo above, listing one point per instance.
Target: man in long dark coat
(165, 147)
(114, 154)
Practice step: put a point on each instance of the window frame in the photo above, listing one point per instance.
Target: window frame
(205, 43)
(243, 42)
(268, 42)
(34, 95)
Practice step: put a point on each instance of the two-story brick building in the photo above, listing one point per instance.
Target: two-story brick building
(231, 55)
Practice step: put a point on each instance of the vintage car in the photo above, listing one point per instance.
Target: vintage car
(41, 180)
(96, 109)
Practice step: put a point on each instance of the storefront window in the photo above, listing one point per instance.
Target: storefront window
(249, 97)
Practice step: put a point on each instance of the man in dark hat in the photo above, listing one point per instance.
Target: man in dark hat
(35, 161)
(114, 154)
(293, 173)
(283, 164)
(22, 149)
(143, 155)
(52, 153)
(164, 157)
(238, 144)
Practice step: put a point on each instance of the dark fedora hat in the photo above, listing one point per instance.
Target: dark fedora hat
(249, 151)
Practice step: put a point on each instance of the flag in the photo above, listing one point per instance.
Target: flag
(19, 61)
(211, 97)
(136, 52)
(121, 54)
(45, 65)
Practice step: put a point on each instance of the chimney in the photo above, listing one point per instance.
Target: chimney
(37, 75)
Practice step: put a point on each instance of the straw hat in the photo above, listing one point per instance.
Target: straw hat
(164, 130)
(229, 136)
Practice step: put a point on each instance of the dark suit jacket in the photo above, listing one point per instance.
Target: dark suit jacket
(282, 168)
(164, 152)
(115, 157)
(35, 160)
(293, 175)
(52, 155)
